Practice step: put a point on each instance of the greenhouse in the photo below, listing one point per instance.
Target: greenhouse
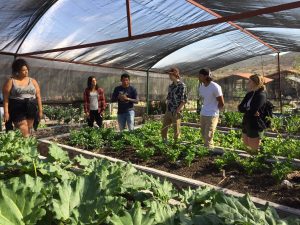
(90, 89)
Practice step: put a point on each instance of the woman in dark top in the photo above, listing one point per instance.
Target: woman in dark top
(22, 98)
(94, 102)
(252, 126)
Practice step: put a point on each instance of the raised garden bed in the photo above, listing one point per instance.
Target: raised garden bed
(55, 128)
(60, 190)
(261, 185)
(267, 133)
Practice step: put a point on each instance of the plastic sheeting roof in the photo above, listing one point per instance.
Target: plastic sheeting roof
(32, 26)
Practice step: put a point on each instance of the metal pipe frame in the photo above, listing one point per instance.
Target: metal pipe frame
(80, 63)
(230, 18)
(128, 17)
(279, 78)
(193, 2)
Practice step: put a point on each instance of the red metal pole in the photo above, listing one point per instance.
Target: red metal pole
(231, 23)
(128, 17)
(82, 63)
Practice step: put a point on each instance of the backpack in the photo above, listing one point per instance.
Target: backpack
(266, 113)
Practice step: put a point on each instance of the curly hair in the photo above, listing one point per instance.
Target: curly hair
(17, 65)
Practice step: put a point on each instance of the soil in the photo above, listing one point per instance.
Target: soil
(52, 131)
(261, 185)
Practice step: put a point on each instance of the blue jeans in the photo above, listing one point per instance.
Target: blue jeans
(126, 117)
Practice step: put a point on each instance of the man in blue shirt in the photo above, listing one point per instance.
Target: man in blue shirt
(126, 96)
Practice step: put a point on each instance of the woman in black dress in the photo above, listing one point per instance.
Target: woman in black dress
(252, 126)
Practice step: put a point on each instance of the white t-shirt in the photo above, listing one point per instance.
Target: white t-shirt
(94, 100)
(209, 95)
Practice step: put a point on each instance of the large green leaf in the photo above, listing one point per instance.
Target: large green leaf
(56, 154)
(136, 216)
(164, 213)
(71, 194)
(80, 202)
(21, 201)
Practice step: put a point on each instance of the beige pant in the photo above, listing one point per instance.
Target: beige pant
(169, 120)
(208, 127)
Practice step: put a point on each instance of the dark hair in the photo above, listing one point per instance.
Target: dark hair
(206, 72)
(89, 83)
(17, 66)
(125, 75)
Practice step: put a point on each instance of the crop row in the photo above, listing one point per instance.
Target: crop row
(57, 190)
(146, 143)
(280, 124)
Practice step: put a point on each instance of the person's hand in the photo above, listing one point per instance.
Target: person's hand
(256, 114)
(87, 114)
(121, 97)
(125, 98)
(6, 117)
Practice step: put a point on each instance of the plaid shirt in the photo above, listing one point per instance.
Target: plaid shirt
(101, 100)
(176, 95)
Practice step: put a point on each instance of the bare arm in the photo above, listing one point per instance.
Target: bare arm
(131, 100)
(134, 97)
(6, 92)
(220, 100)
(38, 98)
(180, 107)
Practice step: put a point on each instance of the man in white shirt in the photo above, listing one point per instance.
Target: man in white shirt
(213, 101)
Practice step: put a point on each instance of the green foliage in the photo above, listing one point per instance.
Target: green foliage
(231, 139)
(289, 124)
(254, 164)
(102, 192)
(281, 169)
(282, 147)
(231, 119)
(88, 138)
(227, 159)
(21, 201)
(65, 114)
(191, 117)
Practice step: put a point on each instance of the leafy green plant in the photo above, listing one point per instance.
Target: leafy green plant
(65, 114)
(231, 119)
(227, 159)
(101, 192)
(254, 164)
(281, 169)
(88, 137)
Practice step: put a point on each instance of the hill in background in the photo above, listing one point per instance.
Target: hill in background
(264, 65)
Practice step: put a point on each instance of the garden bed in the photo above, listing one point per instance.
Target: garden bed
(55, 128)
(260, 185)
(225, 129)
(59, 190)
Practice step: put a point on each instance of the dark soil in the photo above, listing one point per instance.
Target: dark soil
(261, 185)
(54, 130)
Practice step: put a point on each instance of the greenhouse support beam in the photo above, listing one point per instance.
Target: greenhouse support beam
(0, 121)
(7, 53)
(193, 2)
(81, 63)
(147, 92)
(233, 17)
(128, 17)
(279, 77)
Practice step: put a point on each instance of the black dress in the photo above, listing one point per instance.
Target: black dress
(250, 121)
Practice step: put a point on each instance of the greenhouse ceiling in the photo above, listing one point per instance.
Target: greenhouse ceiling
(149, 34)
